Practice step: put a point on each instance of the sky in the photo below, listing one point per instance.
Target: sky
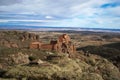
(61, 13)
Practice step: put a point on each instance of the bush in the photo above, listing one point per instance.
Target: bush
(32, 58)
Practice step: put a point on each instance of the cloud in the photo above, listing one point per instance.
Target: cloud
(78, 13)
(9, 2)
(48, 17)
(44, 7)
(27, 20)
(61, 8)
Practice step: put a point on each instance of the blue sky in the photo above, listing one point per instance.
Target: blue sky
(61, 13)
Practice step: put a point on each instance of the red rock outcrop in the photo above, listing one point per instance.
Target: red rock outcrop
(64, 38)
(35, 45)
(47, 47)
(62, 44)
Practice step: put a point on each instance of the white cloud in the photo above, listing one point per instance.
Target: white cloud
(3, 21)
(48, 17)
(44, 7)
(62, 8)
(27, 20)
(80, 13)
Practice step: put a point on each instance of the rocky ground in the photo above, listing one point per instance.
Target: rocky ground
(97, 57)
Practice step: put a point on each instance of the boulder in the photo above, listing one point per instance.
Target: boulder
(37, 62)
(13, 45)
(19, 58)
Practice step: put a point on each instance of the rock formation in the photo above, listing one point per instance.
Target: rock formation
(62, 44)
(29, 36)
(19, 58)
(35, 45)
(10, 44)
(13, 45)
(37, 62)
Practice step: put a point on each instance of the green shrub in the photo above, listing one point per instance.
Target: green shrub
(32, 58)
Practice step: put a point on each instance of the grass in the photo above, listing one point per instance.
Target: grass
(113, 45)
(91, 76)
(108, 51)
(67, 71)
(64, 68)
(34, 72)
(4, 51)
(105, 52)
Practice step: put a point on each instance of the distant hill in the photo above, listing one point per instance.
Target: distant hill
(53, 28)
